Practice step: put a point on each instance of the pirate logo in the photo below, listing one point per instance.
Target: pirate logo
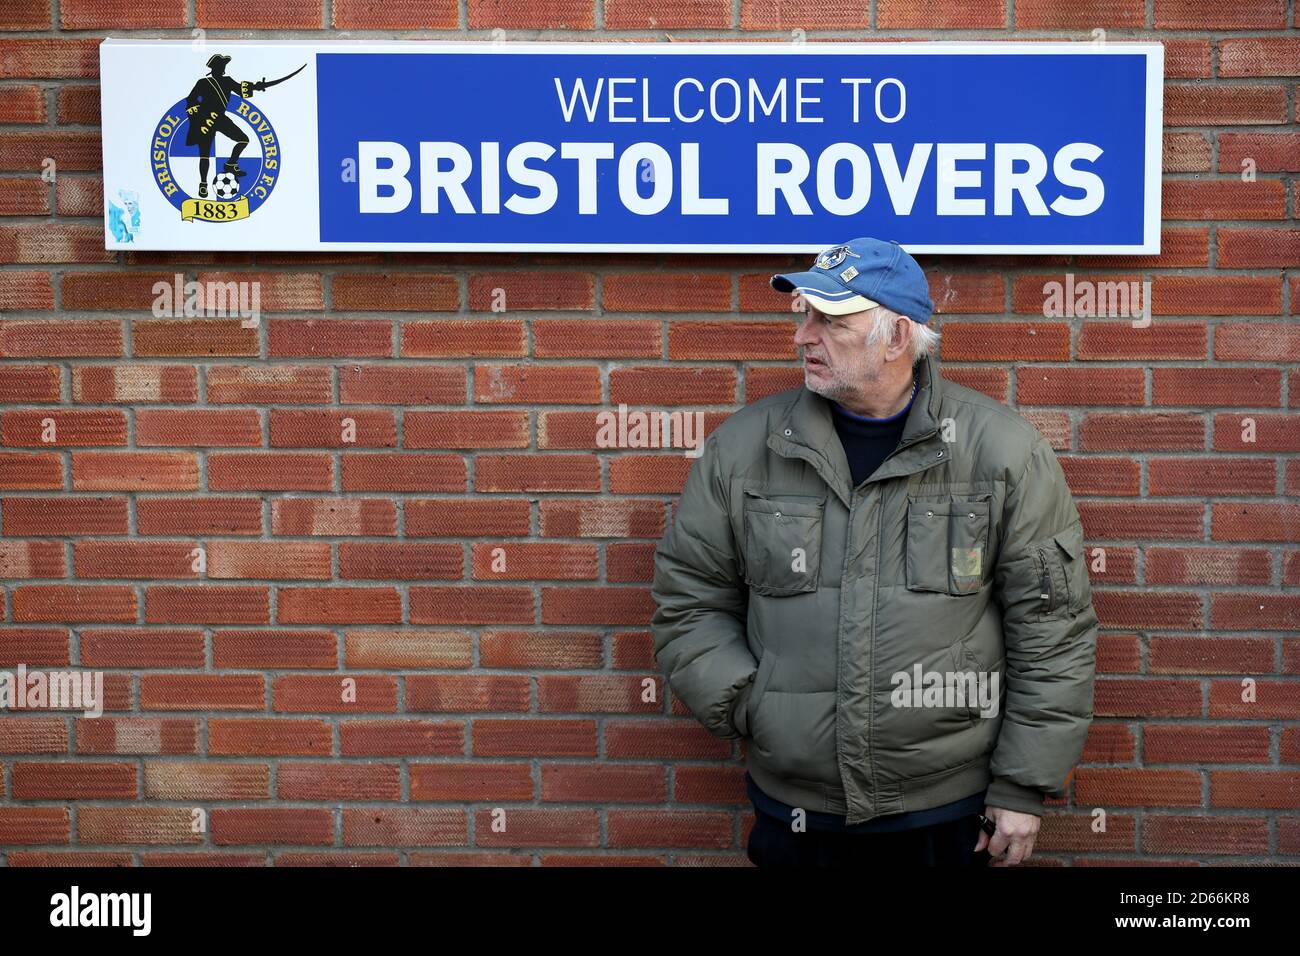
(833, 257)
(218, 104)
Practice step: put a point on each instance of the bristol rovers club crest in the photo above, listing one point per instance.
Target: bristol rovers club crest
(216, 156)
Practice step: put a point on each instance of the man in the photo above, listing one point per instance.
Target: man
(877, 580)
(207, 104)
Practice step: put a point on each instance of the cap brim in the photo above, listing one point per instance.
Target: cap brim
(824, 292)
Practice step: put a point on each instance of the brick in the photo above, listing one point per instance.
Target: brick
(537, 473)
(55, 242)
(1208, 566)
(206, 604)
(1262, 152)
(380, 472)
(63, 339)
(546, 827)
(536, 384)
(296, 826)
(534, 737)
(1255, 521)
(461, 517)
(1203, 477)
(201, 692)
(471, 605)
(196, 516)
(134, 471)
(462, 693)
(135, 385)
(460, 338)
(198, 427)
(230, 737)
(596, 338)
(1203, 105)
(29, 384)
(31, 472)
(1222, 199)
(137, 735)
(31, 559)
(168, 780)
(236, 471)
(136, 825)
(467, 429)
(382, 292)
(408, 649)
(382, 738)
(340, 605)
(684, 15)
(401, 385)
(1259, 56)
(135, 648)
(471, 782)
(380, 561)
(344, 428)
(1218, 295)
(134, 559)
(34, 646)
(361, 15)
(404, 826)
(33, 735)
(1248, 387)
(338, 782)
(85, 15)
(1202, 15)
(201, 337)
(74, 603)
(66, 516)
(64, 427)
(269, 384)
(28, 826)
(329, 338)
(333, 517)
(25, 290)
(529, 290)
(33, 781)
(265, 560)
(274, 649)
(329, 694)
(662, 386)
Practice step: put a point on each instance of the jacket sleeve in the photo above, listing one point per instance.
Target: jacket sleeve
(698, 624)
(1050, 632)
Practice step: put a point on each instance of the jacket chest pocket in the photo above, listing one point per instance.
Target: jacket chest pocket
(783, 543)
(947, 544)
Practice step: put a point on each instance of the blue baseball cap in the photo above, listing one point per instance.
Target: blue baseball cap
(862, 274)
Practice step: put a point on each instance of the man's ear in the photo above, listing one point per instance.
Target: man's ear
(899, 339)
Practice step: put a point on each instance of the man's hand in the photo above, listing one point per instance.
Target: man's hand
(1015, 834)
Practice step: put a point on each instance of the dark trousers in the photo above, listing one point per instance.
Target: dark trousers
(773, 843)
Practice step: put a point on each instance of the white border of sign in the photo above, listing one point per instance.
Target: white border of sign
(1152, 174)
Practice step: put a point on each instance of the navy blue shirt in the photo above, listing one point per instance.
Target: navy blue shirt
(867, 442)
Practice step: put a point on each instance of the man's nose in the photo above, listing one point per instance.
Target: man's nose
(805, 333)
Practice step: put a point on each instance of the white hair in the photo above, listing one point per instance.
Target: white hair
(924, 338)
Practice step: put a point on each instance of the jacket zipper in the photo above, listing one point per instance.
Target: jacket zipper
(1048, 590)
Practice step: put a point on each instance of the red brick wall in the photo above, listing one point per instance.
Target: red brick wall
(477, 689)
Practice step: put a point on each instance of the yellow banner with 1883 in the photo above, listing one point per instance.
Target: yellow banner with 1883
(214, 211)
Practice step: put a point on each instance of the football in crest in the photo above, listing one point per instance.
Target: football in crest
(225, 186)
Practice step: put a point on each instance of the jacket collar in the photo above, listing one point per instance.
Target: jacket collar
(807, 431)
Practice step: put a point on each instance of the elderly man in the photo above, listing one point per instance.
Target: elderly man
(877, 580)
